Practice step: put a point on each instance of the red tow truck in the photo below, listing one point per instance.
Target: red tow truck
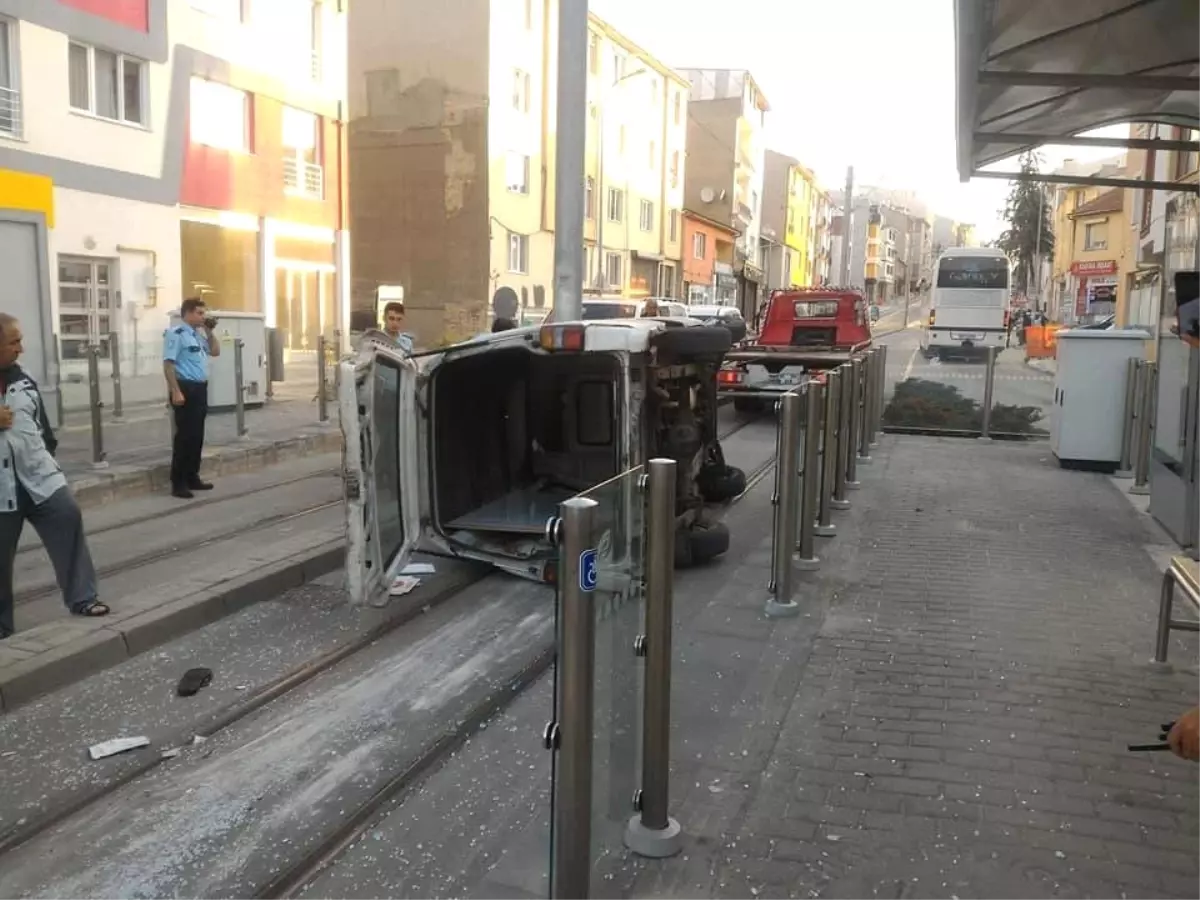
(804, 330)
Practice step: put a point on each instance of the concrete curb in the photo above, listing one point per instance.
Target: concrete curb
(68, 651)
(122, 482)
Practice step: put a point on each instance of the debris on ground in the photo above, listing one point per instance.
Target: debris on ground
(117, 745)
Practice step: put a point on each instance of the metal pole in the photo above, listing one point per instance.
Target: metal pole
(1141, 475)
(989, 384)
(239, 386)
(322, 398)
(829, 455)
(845, 443)
(114, 353)
(810, 476)
(571, 140)
(870, 402)
(570, 865)
(1129, 419)
(849, 229)
(880, 390)
(58, 393)
(653, 833)
(99, 457)
(780, 602)
(270, 365)
(856, 434)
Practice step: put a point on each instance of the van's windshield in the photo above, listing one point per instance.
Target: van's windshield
(601, 309)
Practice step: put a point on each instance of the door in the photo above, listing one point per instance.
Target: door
(377, 402)
(85, 305)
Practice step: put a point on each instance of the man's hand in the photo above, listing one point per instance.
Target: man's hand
(6, 418)
(1184, 736)
(177, 397)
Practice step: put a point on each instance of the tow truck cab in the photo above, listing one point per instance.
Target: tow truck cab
(469, 450)
(804, 329)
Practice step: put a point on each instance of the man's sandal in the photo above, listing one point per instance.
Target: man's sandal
(93, 610)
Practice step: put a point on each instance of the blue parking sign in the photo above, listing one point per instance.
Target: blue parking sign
(587, 571)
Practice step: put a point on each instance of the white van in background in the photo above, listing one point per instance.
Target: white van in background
(969, 305)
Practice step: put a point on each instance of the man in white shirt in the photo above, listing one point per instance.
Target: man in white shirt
(393, 326)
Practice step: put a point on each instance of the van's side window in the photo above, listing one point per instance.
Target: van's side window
(594, 413)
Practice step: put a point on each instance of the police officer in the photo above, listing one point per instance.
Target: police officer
(186, 349)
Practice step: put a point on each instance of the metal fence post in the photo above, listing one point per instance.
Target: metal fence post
(989, 385)
(322, 399)
(239, 386)
(1145, 435)
(810, 477)
(269, 361)
(845, 449)
(652, 832)
(829, 455)
(780, 602)
(99, 457)
(862, 443)
(59, 403)
(857, 427)
(571, 733)
(114, 354)
(1129, 419)
(880, 391)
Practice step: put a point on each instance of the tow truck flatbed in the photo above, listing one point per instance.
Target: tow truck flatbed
(797, 356)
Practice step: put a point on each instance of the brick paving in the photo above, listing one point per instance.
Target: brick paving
(951, 717)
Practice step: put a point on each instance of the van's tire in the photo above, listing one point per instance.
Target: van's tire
(737, 331)
(720, 483)
(700, 544)
(697, 340)
(748, 404)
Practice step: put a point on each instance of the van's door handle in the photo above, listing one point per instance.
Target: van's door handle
(1184, 416)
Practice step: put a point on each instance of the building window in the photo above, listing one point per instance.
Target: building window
(673, 218)
(1095, 236)
(516, 167)
(612, 270)
(616, 205)
(589, 197)
(677, 115)
(107, 85)
(85, 305)
(518, 253)
(699, 244)
(646, 216)
(302, 172)
(1186, 161)
(594, 54)
(219, 116)
(10, 88)
(520, 98)
(653, 155)
(674, 168)
(222, 9)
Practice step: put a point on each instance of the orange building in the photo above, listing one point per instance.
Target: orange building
(707, 260)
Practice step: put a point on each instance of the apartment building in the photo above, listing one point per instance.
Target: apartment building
(707, 261)
(151, 150)
(1067, 301)
(725, 166)
(879, 275)
(822, 242)
(783, 214)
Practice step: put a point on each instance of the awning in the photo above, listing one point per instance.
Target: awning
(1035, 72)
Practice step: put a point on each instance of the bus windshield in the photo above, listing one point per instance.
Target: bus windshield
(978, 272)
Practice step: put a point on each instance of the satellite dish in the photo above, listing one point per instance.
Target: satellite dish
(707, 195)
(505, 303)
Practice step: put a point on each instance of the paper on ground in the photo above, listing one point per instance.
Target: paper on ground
(117, 745)
(418, 568)
(403, 585)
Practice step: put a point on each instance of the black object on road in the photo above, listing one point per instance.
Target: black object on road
(193, 680)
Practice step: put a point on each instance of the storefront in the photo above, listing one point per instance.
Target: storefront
(1095, 289)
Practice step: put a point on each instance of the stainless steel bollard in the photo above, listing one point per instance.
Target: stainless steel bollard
(1129, 419)
(780, 602)
(829, 455)
(59, 403)
(269, 360)
(810, 477)
(652, 832)
(845, 443)
(989, 384)
(880, 395)
(239, 386)
(857, 426)
(99, 457)
(572, 732)
(114, 354)
(866, 409)
(322, 398)
(1145, 435)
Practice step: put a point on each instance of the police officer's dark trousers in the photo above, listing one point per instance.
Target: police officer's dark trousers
(59, 524)
(189, 433)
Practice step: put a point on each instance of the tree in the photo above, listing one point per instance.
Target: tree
(1020, 241)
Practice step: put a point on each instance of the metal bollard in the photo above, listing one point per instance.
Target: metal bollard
(1145, 436)
(810, 477)
(880, 391)
(239, 386)
(866, 408)
(780, 602)
(58, 393)
(114, 353)
(99, 457)
(989, 384)
(269, 365)
(652, 832)
(570, 735)
(829, 455)
(322, 399)
(856, 427)
(1129, 419)
(845, 444)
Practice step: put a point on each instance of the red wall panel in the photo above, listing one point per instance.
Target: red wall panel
(133, 14)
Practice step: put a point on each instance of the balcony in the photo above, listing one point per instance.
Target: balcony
(303, 179)
(11, 123)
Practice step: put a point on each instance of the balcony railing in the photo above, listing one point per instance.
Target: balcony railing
(306, 179)
(11, 121)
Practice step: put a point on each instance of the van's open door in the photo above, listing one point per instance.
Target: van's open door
(377, 402)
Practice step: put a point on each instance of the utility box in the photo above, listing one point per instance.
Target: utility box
(1088, 418)
(251, 328)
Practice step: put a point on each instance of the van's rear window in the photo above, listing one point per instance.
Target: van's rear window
(601, 310)
(985, 272)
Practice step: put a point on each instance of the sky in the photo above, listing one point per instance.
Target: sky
(868, 83)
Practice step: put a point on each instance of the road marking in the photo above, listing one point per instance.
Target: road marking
(909, 367)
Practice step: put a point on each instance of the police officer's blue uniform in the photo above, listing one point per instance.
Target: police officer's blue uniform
(184, 347)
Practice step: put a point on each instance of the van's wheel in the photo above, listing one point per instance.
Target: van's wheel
(718, 483)
(928, 352)
(700, 543)
(747, 405)
(697, 340)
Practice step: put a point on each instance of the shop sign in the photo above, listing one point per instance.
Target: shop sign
(1084, 268)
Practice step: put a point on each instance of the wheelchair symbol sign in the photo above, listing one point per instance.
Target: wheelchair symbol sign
(587, 571)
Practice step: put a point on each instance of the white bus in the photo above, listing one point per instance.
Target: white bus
(968, 310)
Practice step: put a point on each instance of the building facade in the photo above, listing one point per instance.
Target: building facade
(879, 276)
(707, 263)
(149, 151)
(1062, 301)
